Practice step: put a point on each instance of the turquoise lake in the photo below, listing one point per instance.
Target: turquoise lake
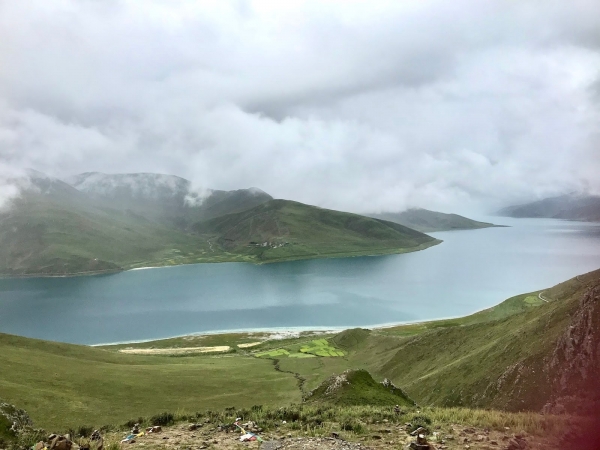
(469, 271)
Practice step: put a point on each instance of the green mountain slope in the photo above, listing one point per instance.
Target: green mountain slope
(116, 222)
(55, 229)
(283, 229)
(497, 358)
(429, 221)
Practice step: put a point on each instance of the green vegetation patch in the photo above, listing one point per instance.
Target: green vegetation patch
(306, 349)
(321, 347)
(533, 300)
(273, 353)
(301, 355)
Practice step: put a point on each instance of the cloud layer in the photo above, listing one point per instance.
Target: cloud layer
(460, 106)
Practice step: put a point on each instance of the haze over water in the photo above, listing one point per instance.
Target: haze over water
(469, 271)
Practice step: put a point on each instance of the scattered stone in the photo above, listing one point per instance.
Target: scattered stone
(420, 444)
(97, 439)
(60, 443)
(270, 445)
(417, 431)
(517, 443)
(96, 436)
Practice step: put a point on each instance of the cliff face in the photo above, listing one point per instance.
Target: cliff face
(574, 367)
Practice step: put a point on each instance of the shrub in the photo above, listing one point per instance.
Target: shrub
(163, 419)
(84, 431)
(132, 422)
(419, 420)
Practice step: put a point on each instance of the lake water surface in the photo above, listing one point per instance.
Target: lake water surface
(469, 271)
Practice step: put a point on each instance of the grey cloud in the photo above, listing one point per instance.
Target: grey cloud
(457, 106)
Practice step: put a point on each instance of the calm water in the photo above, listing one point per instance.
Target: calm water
(469, 271)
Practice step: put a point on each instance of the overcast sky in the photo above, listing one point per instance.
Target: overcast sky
(360, 106)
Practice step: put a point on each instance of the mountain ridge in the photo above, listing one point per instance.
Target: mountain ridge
(569, 207)
(118, 222)
(428, 221)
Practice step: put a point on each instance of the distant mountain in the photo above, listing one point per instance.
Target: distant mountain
(165, 198)
(53, 228)
(429, 221)
(570, 207)
(283, 229)
(113, 222)
(137, 186)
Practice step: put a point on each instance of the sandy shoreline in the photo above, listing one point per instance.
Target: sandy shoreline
(287, 332)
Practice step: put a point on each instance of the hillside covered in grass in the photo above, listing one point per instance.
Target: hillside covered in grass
(514, 356)
(357, 387)
(283, 229)
(105, 223)
(428, 221)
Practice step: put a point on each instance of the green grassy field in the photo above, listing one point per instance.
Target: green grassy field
(63, 385)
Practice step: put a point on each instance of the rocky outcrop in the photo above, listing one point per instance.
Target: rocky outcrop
(574, 366)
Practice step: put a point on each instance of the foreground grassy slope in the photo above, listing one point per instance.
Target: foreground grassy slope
(282, 229)
(494, 358)
(63, 385)
(429, 221)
